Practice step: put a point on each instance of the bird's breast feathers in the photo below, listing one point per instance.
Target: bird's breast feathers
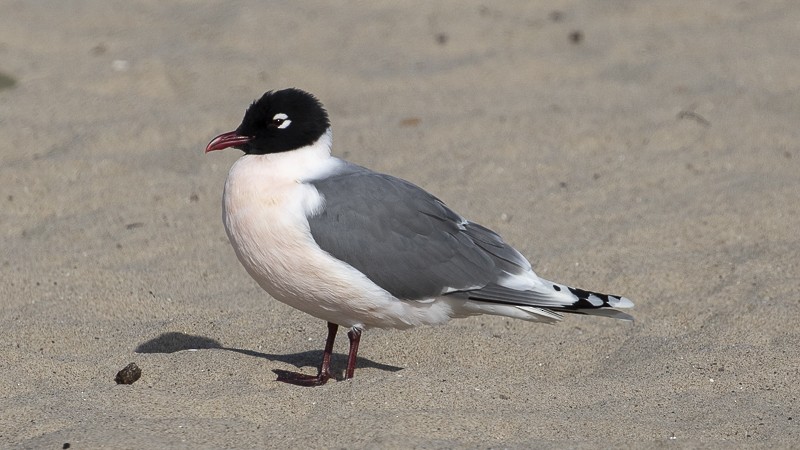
(265, 212)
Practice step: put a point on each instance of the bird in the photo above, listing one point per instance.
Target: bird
(361, 249)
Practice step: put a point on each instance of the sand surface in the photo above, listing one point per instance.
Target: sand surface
(645, 148)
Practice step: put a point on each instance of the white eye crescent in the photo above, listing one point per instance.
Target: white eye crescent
(281, 120)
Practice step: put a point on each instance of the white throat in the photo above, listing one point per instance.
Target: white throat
(294, 165)
(276, 179)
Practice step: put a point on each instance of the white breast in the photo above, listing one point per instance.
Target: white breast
(264, 211)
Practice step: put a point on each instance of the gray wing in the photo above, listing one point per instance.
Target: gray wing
(404, 239)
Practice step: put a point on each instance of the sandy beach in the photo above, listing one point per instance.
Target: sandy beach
(648, 149)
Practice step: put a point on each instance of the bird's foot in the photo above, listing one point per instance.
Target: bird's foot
(301, 379)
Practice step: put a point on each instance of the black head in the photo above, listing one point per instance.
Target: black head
(279, 121)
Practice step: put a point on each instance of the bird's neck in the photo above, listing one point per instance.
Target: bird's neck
(309, 162)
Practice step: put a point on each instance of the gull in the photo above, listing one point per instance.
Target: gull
(360, 249)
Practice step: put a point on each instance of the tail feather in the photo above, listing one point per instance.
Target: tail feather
(557, 298)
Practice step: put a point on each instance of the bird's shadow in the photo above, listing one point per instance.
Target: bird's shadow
(174, 342)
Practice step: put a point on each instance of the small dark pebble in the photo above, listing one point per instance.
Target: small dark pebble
(131, 226)
(576, 37)
(441, 38)
(194, 198)
(66, 445)
(129, 374)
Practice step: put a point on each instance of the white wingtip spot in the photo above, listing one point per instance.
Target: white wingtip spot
(595, 300)
(621, 303)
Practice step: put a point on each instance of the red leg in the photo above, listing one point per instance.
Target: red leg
(355, 336)
(324, 374)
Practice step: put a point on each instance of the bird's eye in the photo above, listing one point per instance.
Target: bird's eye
(280, 121)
